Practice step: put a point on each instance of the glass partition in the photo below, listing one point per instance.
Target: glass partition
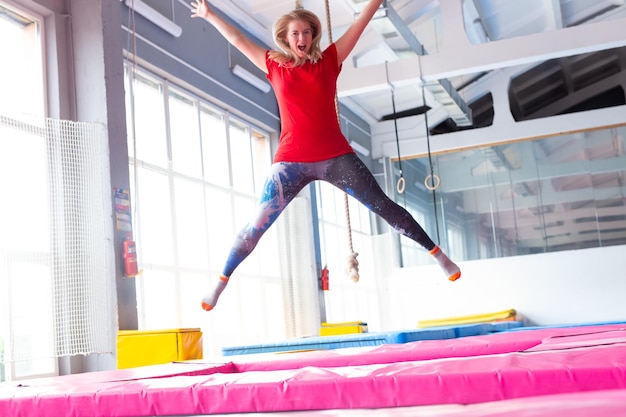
(551, 194)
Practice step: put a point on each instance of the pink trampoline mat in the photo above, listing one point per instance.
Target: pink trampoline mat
(504, 366)
(611, 403)
(496, 343)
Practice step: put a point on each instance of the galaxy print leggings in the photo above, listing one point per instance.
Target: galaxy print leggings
(347, 172)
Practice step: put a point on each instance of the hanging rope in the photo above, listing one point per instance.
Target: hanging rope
(352, 265)
(432, 180)
(401, 185)
(435, 180)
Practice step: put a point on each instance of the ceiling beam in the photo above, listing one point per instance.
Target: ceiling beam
(442, 90)
(509, 131)
(554, 11)
(463, 58)
(403, 29)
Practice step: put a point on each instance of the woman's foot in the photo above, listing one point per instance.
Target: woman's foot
(451, 270)
(210, 299)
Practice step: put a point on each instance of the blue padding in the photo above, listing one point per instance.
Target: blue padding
(485, 328)
(406, 336)
(500, 326)
(373, 339)
(310, 343)
(560, 326)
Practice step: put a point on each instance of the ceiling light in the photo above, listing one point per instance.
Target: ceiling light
(155, 17)
(250, 78)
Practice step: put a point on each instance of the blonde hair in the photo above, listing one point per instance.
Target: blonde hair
(285, 55)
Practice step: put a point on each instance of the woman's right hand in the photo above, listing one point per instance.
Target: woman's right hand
(254, 52)
(200, 8)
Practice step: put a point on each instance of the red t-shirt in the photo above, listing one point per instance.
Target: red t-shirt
(310, 130)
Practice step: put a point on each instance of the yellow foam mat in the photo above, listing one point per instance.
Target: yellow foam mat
(333, 329)
(505, 315)
(151, 347)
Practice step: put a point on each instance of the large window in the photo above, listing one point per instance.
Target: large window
(24, 221)
(26, 339)
(196, 176)
(545, 195)
(22, 73)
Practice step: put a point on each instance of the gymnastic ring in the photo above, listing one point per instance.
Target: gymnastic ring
(436, 182)
(401, 185)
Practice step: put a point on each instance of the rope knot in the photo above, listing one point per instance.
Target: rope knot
(352, 267)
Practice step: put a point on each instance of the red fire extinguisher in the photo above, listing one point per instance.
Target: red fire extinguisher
(324, 282)
(130, 258)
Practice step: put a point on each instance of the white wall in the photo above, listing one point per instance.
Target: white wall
(573, 287)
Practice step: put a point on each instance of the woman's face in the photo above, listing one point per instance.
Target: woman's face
(299, 37)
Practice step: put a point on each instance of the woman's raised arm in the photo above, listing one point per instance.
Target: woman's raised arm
(250, 49)
(348, 40)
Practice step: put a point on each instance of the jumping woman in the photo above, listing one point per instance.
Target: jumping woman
(311, 146)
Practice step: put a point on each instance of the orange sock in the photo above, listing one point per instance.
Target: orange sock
(451, 270)
(210, 299)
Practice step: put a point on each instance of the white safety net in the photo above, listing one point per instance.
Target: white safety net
(55, 227)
